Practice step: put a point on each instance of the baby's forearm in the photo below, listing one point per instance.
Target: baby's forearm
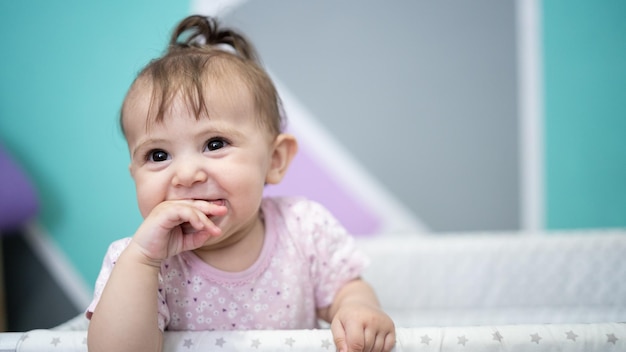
(126, 317)
(354, 291)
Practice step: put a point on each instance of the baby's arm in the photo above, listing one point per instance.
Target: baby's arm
(126, 316)
(357, 321)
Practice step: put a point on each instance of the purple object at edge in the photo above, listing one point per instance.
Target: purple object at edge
(18, 199)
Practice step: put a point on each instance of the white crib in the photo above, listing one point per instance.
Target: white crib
(455, 292)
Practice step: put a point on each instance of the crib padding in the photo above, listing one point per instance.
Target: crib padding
(542, 337)
(501, 278)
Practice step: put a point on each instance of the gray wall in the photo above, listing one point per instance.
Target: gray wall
(422, 93)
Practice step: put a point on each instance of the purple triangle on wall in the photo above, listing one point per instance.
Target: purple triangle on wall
(306, 177)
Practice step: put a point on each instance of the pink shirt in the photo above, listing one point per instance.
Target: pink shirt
(306, 257)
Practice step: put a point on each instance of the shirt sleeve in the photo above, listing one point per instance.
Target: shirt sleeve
(332, 252)
(113, 253)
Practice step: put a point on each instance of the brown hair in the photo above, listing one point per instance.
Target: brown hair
(200, 53)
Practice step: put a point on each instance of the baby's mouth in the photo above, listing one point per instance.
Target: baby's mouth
(188, 229)
(217, 202)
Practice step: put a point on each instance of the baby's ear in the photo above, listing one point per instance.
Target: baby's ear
(132, 169)
(285, 148)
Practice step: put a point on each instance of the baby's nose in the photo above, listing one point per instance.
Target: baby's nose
(188, 173)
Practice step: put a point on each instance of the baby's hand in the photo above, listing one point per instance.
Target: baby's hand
(176, 226)
(361, 327)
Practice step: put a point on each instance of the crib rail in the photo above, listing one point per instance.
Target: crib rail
(542, 337)
(9, 341)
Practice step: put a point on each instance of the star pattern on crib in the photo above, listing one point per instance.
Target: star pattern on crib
(326, 344)
(571, 335)
(289, 341)
(220, 342)
(190, 342)
(55, 341)
(256, 343)
(535, 338)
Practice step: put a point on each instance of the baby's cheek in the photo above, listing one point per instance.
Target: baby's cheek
(147, 200)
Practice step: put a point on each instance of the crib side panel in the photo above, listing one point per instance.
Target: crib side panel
(500, 279)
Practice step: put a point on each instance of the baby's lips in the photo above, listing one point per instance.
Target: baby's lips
(209, 212)
(218, 202)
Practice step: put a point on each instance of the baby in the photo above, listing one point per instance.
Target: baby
(204, 128)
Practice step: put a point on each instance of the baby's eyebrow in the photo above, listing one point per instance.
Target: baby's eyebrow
(220, 129)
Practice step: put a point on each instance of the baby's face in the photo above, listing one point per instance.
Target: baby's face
(224, 158)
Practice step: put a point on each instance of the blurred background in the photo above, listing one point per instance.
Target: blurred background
(413, 117)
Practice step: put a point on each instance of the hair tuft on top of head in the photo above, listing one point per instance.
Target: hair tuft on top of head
(206, 32)
(201, 55)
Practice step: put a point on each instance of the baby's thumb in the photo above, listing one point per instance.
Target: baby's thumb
(339, 335)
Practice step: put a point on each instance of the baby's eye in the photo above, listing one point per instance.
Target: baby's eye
(215, 144)
(158, 155)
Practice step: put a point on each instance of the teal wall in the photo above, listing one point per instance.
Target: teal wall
(64, 69)
(584, 45)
